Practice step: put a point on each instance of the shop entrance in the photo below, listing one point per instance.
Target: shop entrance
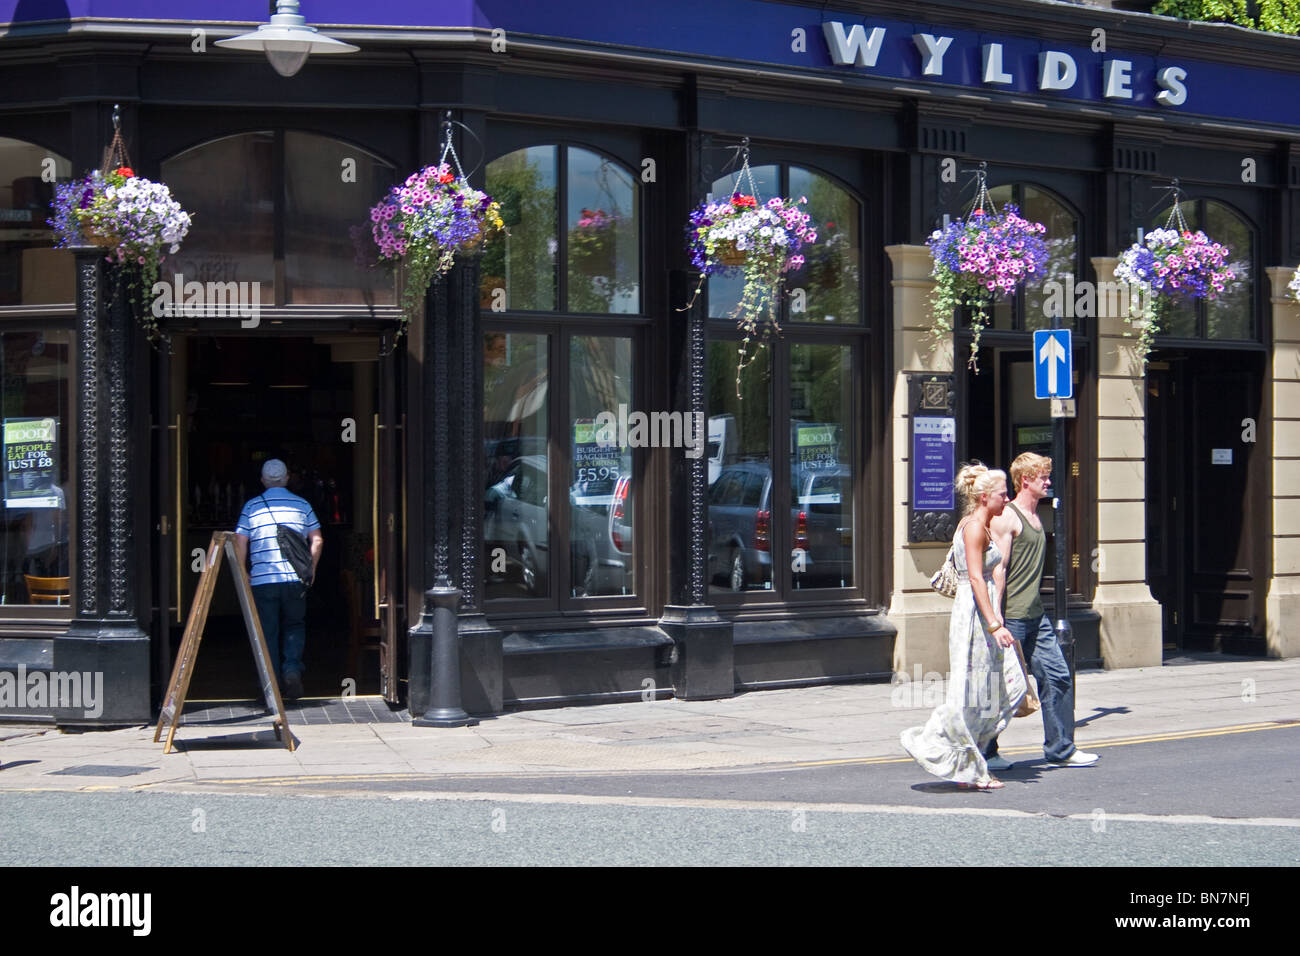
(317, 404)
(1207, 505)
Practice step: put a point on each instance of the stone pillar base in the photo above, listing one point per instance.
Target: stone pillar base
(1282, 615)
(1132, 626)
(922, 642)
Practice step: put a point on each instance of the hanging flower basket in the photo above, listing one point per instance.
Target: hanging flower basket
(1169, 265)
(979, 258)
(762, 241)
(426, 222)
(136, 220)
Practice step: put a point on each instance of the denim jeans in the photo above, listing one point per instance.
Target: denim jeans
(1055, 689)
(282, 609)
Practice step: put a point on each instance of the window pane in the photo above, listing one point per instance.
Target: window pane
(1062, 257)
(516, 514)
(227, 187)
(724, 290)
(1178, 314)
(740, 471)
(38, 437)
(821, 465)
(830, 277)
(1230, 315)
(327, 241)
(523, 261)
(601, 493)
(32, 271)
(603, 233)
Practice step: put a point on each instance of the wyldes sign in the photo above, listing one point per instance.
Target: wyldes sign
(1017, 65)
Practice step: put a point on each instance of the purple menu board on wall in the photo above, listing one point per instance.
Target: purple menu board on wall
(933, 452)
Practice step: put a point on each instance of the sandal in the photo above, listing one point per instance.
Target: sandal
(992, 784)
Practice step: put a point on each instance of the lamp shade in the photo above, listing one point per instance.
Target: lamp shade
(287, 40)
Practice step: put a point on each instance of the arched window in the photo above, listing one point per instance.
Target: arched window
(596, 235)
(32, 272)
(1231, 315)
(1028, 310)
(784, 447)
(317, 254)
(830, 279)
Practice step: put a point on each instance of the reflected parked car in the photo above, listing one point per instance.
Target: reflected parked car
(821, 527)
(516, 519)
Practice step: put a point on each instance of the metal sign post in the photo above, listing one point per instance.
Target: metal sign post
(1054, 380)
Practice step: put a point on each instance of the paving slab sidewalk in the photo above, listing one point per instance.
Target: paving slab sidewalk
(850, 722)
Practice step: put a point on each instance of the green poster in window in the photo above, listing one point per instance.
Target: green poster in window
(817, 446)
(31, 463)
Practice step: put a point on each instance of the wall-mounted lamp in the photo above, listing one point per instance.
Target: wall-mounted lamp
(287, 40)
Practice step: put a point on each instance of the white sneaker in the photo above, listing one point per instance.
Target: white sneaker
(999, 762)
(1078, 759)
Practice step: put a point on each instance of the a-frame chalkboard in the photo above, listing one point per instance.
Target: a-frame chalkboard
(222, 541)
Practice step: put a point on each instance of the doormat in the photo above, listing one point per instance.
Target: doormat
(99, 770)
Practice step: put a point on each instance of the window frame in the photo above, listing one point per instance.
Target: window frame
(1201, 306)
(860, 339)
(562, 145)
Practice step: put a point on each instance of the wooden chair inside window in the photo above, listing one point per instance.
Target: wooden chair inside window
(365, 632)
(48, 590)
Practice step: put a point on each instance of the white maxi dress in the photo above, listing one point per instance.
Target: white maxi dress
(977, 706)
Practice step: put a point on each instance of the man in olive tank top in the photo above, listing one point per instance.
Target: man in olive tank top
(1020, 538)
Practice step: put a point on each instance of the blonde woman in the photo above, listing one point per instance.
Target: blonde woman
(977, 706)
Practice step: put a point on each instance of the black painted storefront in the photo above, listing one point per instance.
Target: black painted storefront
(885, 147)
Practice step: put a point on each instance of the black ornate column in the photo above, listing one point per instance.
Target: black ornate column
(703, 658)
(105, 640)
(456, 664)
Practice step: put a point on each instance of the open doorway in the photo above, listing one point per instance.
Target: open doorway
(311, 402)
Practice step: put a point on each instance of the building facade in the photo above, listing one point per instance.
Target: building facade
(777, 536)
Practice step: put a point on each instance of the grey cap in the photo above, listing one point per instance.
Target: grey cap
(273, 469)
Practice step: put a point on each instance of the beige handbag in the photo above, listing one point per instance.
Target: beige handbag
(1029, 704)
(945, 579)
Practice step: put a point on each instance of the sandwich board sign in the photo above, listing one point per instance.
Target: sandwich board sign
(183, 671)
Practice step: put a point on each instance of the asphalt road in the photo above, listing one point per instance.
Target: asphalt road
(1213, 801)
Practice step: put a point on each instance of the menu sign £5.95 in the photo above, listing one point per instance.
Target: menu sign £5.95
(31, 463)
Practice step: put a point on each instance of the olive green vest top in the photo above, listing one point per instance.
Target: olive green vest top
(1025, 570)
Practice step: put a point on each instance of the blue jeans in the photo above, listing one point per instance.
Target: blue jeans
(282, 609)
(1055, 689)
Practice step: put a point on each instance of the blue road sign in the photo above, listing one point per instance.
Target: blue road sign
(1053, 364)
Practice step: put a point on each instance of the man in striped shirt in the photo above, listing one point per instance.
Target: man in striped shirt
(280, 597)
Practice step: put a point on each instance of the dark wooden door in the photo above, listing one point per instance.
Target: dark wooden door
(1207, 504)
(1227, 515)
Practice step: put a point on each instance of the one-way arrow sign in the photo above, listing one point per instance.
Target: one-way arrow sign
(1053, 364)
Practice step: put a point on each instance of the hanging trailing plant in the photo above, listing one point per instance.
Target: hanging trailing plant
(1169, 264)
(137, 221)
(429, 220)
(976, 259)
(761, 242)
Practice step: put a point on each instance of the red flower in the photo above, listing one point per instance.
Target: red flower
(978, 212)
(125, 171)
(445, 177)
(743, 202)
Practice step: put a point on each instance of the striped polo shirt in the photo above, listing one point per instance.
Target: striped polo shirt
(258, 521)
